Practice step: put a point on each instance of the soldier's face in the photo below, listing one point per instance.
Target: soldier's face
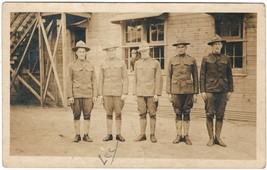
(111, 53)
(181, 49)
(145, 53)
(216, 47)
(81, 53)
(133, 55)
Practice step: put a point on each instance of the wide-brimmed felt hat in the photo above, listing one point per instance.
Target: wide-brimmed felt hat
(180, 41)
(133, 51)
(143, 46)
(80, 44)
(215, 39)
(109, 46)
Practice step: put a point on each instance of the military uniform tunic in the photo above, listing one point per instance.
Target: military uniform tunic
(216, 80)
(182, 83)
(147, 83)
(113, 82)
(82, 86)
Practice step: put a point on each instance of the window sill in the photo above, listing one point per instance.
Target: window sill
(239, 73)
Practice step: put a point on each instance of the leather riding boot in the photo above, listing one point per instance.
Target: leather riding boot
(218, 130)
(142, 135)
(152, 130)
(209, 123)
(186, 125)
(178, 125)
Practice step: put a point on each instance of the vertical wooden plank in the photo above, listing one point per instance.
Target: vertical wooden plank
(41, 60)
(65, 58)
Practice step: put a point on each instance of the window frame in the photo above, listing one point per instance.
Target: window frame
(144, 32)
(241, 38)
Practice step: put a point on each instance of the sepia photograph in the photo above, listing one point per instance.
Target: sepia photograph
(134, 85)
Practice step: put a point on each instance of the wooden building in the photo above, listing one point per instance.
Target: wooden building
(56, 33)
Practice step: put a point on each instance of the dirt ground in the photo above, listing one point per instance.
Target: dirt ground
(48, 131)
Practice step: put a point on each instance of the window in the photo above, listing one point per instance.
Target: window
(230, 28)
(150, 29)
(157, 52)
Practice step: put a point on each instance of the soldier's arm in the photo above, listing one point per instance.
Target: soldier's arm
(94, 83)
(230, 76)
(125, 79)
(135, 79)
(168, 78)
(203, 75)
(100, 81)
(69, 82)
(159, 80)
(195, 77)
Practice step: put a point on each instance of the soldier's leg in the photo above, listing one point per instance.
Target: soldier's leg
(109, 107)
(87, 108)
(152, 109)
(177, 107)
(210, 109)
(220, 109)
(142, 108)
(188, 104)
(118, 105)
(77, 114)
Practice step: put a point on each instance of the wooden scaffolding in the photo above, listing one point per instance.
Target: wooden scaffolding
(33, 30)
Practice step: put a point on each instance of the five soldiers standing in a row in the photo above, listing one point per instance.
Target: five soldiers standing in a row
(216, 85)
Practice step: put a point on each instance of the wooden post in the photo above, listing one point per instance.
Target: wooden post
(51, 57)
(54, 56)
(41, 58)
(65, 58)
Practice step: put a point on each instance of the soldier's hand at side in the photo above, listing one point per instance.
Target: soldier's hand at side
(204, 96)
(155, 98)
(195, 98)
(170, 98)
(94, 99)
(123, 97)
(101, 99)
(229, 95)
(71, 100)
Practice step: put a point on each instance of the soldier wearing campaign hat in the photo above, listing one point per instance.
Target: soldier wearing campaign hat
(147, 88)
(113, 89)
(182, 87)
(81, 90)
(216, 86)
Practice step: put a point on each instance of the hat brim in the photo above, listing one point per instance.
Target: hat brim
(76, 48)
(143, 49)
(176, 44)
(210, 43)
(106, 48)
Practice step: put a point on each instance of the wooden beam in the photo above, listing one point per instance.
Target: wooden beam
(23, 55)
(26, 85)
(51, 57)
(19, 24)
(38, 82)
(14, 19)
(54, 56)
(65, 57)
(41, 58)
(33, 68)
(22, 38)
(83, 14)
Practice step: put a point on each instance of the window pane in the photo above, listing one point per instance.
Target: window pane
(133, 31)
(226, 25)
(238, 62)
(156, 30)
(154, 35)
(238, 49)
(229, 49)
(235, 27)
(157, 52)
